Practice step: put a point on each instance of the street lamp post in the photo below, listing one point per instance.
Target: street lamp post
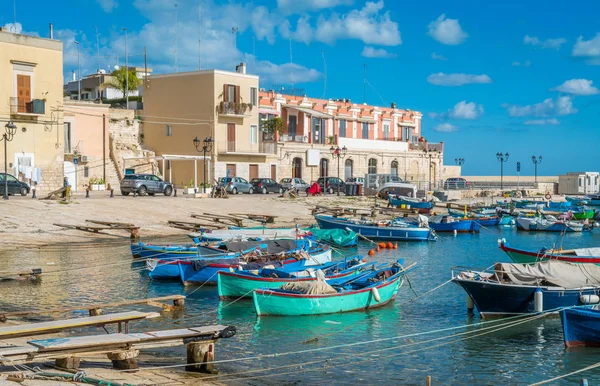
(459, 161)
(502, 158)
(430, 154)
(207, 146)
(340, 154)
(11, 130)
(78, 73)
(126, 72)
(536, 161)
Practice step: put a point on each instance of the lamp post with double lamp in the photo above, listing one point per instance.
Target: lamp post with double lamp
(536, 161)
(10, 131)
(459, 161)
(340, 154)
(126, 72)
(78, 72)
(502, 158)
(207, 145)
(430, 154)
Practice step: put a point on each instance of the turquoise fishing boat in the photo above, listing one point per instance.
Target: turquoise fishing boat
(370, 290)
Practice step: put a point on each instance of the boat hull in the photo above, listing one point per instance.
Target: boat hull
(460, 226)
(532, 224)
(376, 232)
(163, 270)
(164, 252)
(268, 302)
(530, 257)
(581, 327)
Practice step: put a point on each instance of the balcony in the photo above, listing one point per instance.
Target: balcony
(21, 106)
(293, 138)
(234, 109)
(373, 144)
(262, 148)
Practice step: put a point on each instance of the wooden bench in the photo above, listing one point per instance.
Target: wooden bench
(122, 348)
(121, 318)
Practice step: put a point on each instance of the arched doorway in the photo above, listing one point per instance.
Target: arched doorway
(348, 168)
(69, 172)
(297, 167)
(372, 166)
(414, 171)
(324, 167)
(394, 168)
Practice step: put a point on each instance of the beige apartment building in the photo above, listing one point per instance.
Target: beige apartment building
(218, 104)
(31, 97)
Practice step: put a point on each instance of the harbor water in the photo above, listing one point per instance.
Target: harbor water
(400, 343)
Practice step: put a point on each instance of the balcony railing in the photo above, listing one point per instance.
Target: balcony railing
(250, 148)
(234, 108)
(24, 106)
(293, 138)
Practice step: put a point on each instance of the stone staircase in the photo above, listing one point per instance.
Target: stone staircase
(112, 176)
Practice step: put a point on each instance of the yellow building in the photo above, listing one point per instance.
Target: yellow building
(219, 104)
(31, 83)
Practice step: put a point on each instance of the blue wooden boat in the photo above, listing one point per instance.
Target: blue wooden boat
(447, 223)
(589, 200)
(482, 219)
(413, 203)
(559, 204)
(204, 271)
(240, 234)
(369, 290)
(242, 283)
(507, 220)
(581, 327)
(383, 230)
(150, 251)
(511, 288)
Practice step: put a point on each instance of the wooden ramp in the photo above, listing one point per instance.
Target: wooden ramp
(226, 220)
(194, 226)
(263, 218)
(134, 231)
(33, 274)
(122, 348)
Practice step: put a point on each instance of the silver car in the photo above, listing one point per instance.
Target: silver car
(296, 183)
(235, 185)
(145, 184)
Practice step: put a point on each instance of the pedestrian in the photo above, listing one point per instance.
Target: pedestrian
(66, 186)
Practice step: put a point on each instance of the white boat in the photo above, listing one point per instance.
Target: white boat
(244, 234)
(548, 224)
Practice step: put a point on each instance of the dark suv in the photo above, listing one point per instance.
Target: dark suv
(14, 186)
(456, 184)
(266, 185)
(333, 184)
(145, 184)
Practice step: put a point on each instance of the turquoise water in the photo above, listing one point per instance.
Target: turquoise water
(527, 353)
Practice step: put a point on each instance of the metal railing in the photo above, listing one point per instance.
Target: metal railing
(24, 106)
(258, 148)
(505, 185)
(233, 108)
(293, 138)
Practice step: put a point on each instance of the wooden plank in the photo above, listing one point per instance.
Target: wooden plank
(94, 306)
(209, 329)
(17, 350)
(60, 325)
(83, 341)
(112, 223)
(172, 334)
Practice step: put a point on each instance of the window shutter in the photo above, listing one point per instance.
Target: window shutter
(225, 93)
(237, 94)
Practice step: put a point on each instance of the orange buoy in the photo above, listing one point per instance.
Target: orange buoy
(396, 245)
(390, 245)
(382, 245)
(377, 249)
(371, 252)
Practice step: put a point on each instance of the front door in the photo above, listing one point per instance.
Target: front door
(297, 168)
(274, 172)
(231, 170)
(253, 171)
(23, 92)
(231, 137)
(323, 168)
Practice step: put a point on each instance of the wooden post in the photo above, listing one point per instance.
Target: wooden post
(68, 363)
(124, 360)
(203, 355)
(96, 312)
(179, 302)
(428, 380)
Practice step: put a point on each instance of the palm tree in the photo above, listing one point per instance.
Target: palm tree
(118, 81)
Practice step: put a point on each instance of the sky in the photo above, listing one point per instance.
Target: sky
(517, 77)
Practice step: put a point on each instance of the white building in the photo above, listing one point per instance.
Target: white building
(578, 183)
(93, 86)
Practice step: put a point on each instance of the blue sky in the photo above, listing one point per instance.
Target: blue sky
(510, 76)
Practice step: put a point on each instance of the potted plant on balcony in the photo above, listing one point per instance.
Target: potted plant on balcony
(270, 126)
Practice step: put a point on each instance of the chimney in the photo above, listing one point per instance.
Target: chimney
(74, 76)
(241, 68)
(393, 105)
(51, 32)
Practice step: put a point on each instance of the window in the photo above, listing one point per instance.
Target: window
(386, 130)
(580, 182)
(253, 134)
(372, 166)
(365, 130)
(67, 126)
(169, 131)
(230, 93)
(86, 171)
(394, 168)
(253, 96)
(11, 178)
(342, 128)
(348, 166)
(262, 117)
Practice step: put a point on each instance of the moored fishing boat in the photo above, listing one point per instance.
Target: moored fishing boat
(578, 255)
(336, 237)
(447, 223)
(413, 203)
(590, 200)
(521, 289)
(369, 290)
(244, 233)
(383, 230)
(581, 327)
(548, 224)
(242, 283)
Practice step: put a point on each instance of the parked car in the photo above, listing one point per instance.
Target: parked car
(355, 180)
(266, 185)
(14, 186)
(235, 185)
(294, 183)
(333, 184)
(456, 183)
(397, 189)
(145, 184)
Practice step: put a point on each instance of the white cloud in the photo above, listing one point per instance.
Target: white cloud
(445, 128)
(562, 106)
(15, 28)
(587, 48)
(442, 79)
(298, 6)
(548, 43)
(462, 110)
(540, 122)
(371, 52)
(263, 24)
(303, 33)
(577, 87)
(447, 31)
(271, 73)
(526, 63)
(368, 25)
(435, 56)
(108, 5)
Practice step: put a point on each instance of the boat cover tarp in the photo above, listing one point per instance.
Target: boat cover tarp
(587, 251)
(337, 237)
(316, 287)
(552, 272)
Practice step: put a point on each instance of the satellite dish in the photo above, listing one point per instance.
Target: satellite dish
(116, 67)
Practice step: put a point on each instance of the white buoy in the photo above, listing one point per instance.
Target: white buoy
(589, 299)
(470, 304)
(375, 293)
(455, 232)
(538, 300)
